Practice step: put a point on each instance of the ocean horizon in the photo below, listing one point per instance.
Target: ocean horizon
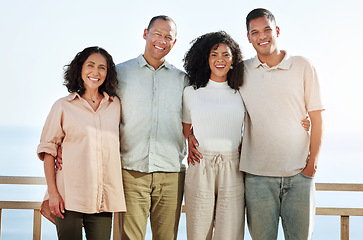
(340, 162)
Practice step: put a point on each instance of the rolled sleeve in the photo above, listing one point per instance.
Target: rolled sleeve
(52, 134)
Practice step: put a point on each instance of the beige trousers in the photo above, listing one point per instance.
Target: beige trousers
(214, 197)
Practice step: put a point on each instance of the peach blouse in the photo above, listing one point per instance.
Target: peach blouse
(90, 180)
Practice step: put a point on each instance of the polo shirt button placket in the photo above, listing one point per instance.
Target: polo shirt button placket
(267, 74)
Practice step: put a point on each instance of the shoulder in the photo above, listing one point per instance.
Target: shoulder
(249, 63)
(170, 67)
(127, 70)
(127, 64)
(301, 61)
(303, 65)
(64, 100)
(177, 74)
(189, 91)
(116, 100)
(61, 104)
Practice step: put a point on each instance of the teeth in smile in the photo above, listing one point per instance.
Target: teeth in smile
(220, 66)
(264, 43)
(159, 48)
(93, 79)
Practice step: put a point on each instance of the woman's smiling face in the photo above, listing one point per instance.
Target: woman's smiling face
(220, 61)
(94, 71)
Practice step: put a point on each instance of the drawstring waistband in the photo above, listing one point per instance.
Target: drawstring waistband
(217, 158)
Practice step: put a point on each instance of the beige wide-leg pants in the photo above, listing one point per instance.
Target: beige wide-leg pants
(214, 197)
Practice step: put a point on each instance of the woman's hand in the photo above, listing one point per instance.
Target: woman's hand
(56, 204)
(305, 123)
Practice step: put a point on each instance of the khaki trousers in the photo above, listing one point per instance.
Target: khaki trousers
(159, 194)
(214, 197)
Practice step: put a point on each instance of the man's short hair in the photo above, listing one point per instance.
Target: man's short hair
(163, 17)
(257, 13)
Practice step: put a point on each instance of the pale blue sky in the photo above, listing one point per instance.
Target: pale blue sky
(39, 37)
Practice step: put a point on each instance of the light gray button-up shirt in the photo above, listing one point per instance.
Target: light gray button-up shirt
(151, 126)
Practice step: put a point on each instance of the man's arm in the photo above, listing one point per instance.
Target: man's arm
(193, 154)
(316, 136)
(187, 129)
(59, 161)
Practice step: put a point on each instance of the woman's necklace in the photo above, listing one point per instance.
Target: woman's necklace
(93, 101)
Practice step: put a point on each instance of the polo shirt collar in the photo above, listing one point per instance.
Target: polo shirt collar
(284, 64)
(142, 63)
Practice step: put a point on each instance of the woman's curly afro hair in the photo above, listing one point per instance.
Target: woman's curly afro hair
(196, 60)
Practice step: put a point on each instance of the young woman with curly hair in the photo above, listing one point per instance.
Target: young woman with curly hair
(88, 188)
(213, 108)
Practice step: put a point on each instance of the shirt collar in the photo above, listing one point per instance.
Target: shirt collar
(74, 95)
(142, 62)
(284, 64)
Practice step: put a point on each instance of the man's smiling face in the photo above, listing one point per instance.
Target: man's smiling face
(263, 35)
(160, 39)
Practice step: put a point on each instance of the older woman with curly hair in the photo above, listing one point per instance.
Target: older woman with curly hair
(85, 123)
(214, 110)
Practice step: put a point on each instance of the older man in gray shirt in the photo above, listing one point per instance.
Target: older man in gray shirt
(152, 142)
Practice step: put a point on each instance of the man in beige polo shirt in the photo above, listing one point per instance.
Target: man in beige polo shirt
(279, 157)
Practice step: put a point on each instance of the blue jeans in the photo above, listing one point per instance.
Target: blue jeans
(291, 198)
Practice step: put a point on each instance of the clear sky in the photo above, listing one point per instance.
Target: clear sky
(39, 37)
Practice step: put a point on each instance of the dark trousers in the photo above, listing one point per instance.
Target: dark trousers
(97, 226)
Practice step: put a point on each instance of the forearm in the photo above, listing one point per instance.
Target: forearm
(316, 136)
(187, 129)
(49, 171)
(315, 141)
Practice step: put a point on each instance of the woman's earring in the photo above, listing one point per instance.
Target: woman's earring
(231, 67)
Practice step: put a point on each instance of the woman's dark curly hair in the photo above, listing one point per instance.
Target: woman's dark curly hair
(196, 60)
(73, 72)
